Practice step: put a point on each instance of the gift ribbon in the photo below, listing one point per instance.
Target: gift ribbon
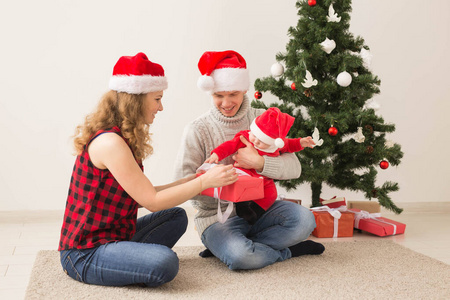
(374, 216)
(221, 217)
(335, 213)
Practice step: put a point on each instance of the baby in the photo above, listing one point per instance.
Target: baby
(268, 135)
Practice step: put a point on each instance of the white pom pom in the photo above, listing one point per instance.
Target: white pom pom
(205, 83)
(277, 69)
(279, 143)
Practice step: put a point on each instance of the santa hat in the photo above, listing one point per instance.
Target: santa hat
(272, 127)
(137, 75)
(223, 71)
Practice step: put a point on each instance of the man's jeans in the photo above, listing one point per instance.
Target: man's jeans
(243, 246)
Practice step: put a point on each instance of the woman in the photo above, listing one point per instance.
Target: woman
(102, 242)
(280, 232)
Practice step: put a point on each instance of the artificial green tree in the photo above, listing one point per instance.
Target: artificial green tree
(327, 85)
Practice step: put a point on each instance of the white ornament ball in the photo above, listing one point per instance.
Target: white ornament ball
(344, 79)
(277, 69)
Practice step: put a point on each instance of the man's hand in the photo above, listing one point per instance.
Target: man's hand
(248, 157)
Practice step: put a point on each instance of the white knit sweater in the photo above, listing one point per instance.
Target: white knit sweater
(209, 131)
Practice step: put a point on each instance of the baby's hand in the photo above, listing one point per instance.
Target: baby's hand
(214, 158)
(307, 142)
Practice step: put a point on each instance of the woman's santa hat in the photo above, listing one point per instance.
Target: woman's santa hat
(223, 71)
(137, 75)
(272, 127)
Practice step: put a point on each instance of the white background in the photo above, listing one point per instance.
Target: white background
(56, 58)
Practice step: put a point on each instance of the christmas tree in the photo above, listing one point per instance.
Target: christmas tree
(327, 86)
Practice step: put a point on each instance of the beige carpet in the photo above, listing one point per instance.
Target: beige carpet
(347, 270)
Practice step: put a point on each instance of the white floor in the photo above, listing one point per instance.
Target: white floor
(24, 233)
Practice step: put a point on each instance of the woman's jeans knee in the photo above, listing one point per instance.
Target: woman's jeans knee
(121, 263)
(147, 259)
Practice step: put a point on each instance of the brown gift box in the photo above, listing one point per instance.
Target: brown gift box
(369, 206)
(325, 224)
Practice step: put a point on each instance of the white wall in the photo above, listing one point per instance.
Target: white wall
(56, 58)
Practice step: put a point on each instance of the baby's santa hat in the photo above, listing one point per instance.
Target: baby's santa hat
(137, 75)
(223, 71)
(272, 127)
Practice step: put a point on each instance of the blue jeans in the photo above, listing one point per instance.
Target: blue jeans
(243, 246)
(147, 259)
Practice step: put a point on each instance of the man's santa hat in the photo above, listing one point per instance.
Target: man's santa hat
(137, 75)
(272, 127)
(223, 71)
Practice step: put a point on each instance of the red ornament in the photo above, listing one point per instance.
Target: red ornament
(293, 86)
(312, 2)
(258, 95)
(332, 131)
(384, 164)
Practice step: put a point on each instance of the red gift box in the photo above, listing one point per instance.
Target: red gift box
(246, 188)
(326, 223)
(376, 224)
(333, 202)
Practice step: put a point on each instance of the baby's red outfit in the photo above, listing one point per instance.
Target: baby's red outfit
(270, 191)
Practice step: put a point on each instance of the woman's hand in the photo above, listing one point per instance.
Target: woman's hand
(218, 176)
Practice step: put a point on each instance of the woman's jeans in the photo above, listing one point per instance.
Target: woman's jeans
(146, 259)
(243, 246)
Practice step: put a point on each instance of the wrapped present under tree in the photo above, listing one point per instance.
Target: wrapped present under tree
(375, 224)
(333, 222)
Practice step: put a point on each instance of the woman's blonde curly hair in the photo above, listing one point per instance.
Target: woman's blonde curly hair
(124, 111)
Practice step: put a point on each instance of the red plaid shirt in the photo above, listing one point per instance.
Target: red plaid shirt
(98, 210)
